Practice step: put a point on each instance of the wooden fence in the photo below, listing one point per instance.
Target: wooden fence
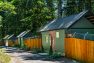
(33, 43)
(12, 43)
(1, 43)
(79, 49)
(29, 42)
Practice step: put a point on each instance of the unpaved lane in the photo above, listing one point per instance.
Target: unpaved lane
(15, 60)
(20, 56)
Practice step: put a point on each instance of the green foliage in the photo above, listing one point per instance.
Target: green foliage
(20, 15)
(7, 7)
(31, 15)
(1, 21)
(4, 58)
(40, 13)
(69, 7)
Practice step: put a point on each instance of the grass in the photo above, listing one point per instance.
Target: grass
(4, 58)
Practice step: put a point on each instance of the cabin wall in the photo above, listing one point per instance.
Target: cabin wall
(60, 41)
(46, 41)
(82, 26)
(57, 37)
(91, 31)
(18, 41)
(22, 42)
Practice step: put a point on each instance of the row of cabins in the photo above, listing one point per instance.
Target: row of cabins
(24, 40)
(55, 36)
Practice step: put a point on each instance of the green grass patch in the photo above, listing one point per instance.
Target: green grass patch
(4, 58)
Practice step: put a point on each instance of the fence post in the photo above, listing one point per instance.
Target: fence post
(74, 34)
(85, 35)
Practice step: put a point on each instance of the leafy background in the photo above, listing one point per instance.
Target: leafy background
(19, 15)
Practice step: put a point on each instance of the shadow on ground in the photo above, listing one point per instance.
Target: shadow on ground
(13, 50)
(47, 58)
(30, 56)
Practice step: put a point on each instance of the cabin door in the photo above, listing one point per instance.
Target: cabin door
(52, 40)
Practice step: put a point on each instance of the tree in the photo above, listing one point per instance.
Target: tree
(40, 14)
(20, 15)
(6, 9)
(31, 14)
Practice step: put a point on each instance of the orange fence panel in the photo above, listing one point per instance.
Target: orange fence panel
(16, 42)
(33, 42)
(10, 43)
(80, 49)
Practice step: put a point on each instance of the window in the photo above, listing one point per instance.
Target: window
(46, 38)
(57, 34)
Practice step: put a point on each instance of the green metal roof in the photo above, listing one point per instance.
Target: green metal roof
(23, 33)
(10, 36)
(6, 37)
(63, 23)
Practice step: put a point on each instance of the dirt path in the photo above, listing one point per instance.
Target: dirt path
(20, 56)
(15, 60)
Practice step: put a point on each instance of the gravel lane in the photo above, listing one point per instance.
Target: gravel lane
(21, 56)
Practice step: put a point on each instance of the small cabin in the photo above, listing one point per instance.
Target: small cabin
(9, 40)
(54, 32)
(21, 38)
